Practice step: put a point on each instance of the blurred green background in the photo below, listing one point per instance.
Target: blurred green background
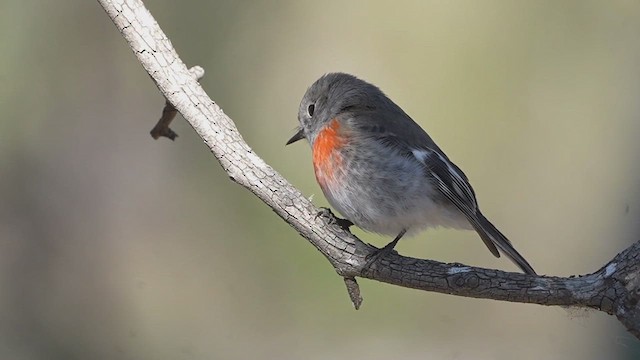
(116, 246)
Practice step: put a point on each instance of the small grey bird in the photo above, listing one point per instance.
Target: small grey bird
(382, 171)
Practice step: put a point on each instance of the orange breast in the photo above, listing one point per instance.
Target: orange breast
(326, 157)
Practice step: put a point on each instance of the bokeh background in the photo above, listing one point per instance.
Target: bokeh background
(116, 246)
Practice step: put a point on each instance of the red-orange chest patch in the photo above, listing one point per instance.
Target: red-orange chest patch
(326, 154)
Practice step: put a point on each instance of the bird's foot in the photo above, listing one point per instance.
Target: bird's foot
(332, 219)
(378, 254)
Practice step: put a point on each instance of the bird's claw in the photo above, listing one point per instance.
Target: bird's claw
(328, 214)
(376, 255)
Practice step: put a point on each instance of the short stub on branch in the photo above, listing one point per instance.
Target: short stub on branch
(169, 112)
(354, 291)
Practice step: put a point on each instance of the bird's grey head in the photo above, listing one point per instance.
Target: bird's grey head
(331, 96)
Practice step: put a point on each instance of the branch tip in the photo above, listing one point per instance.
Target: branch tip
(354, 291)
(197, 72)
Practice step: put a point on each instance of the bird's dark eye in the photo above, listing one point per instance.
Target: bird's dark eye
(310, 109)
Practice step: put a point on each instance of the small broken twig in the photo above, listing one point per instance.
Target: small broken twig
(169, 112)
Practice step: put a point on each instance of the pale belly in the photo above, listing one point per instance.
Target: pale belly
(394, 197)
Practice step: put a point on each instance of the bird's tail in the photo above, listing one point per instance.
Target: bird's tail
(492, 236)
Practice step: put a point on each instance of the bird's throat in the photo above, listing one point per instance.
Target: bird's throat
(326, 153)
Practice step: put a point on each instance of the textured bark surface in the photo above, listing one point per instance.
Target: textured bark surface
(614, 289)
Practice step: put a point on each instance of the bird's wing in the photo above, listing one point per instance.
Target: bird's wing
(410, 140)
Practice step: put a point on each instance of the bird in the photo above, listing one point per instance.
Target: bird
(382, 171)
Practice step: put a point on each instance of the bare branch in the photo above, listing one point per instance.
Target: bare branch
(614, 289)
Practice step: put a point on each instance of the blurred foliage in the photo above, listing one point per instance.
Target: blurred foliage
(115, 246)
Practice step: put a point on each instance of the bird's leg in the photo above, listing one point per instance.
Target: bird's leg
(327, 213)
(382, 252)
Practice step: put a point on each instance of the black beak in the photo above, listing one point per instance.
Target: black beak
(297, 136)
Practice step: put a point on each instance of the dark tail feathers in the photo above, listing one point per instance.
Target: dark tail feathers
(493, 238)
